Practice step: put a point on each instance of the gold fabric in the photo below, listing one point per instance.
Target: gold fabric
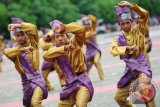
(136, 36)
(123, 93)
(76, 57)
(96, 62)
(32, 40)
(80, 98)
(46, 45)
(37, 97)
(45, 74)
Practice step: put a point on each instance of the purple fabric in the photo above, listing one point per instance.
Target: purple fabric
(44, 30)
(47, 65)
(91, 49)
(15, 31)
(133, 65)
(123, 13)
(16, 21)
(136, 16)
(55, 22)
(30, 80)
(119, 10)
(13, 44)
(73, 81)
(124, 16)
(88, 67)
(84, 17)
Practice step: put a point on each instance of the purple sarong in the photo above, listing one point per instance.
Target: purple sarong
(73, 81)
(134, 66)
(30, 80)
(47, 65)
(91, 49)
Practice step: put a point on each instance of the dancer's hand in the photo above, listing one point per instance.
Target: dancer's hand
(27, 50)
(136, 48)
(125, 3)
(132, 48)
(59, 28)
(63, 28)
(13, 26)
(69, 47)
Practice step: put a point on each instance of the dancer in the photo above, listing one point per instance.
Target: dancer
(130, 46)
(93, 52)
(69, 57)
(46, 41)
(26, 59)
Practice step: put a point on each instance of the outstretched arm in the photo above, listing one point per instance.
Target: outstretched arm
(12, 53)
(116, 50)
(94, 21)
(28, 28)
(53, 52)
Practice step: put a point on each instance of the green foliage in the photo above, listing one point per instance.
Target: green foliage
(3, 19)
(41, 12)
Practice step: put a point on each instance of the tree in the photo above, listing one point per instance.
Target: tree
(100, 8)
(3, 19)
(41, 12)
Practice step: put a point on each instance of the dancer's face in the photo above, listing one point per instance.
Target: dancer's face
(60, 39)
(125, 25)
(21, 38)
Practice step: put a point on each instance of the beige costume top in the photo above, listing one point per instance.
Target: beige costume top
(136, 36)
(32, 40)
(76, 57)
(46, 45)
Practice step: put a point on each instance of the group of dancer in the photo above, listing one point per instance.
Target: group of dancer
(65, 55)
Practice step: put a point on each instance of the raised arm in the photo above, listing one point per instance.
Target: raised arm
(31, 29)
(76, 29)
(28, 28)
(94, 21)
(144, 16)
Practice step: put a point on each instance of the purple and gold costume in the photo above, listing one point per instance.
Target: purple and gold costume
(27, 65)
